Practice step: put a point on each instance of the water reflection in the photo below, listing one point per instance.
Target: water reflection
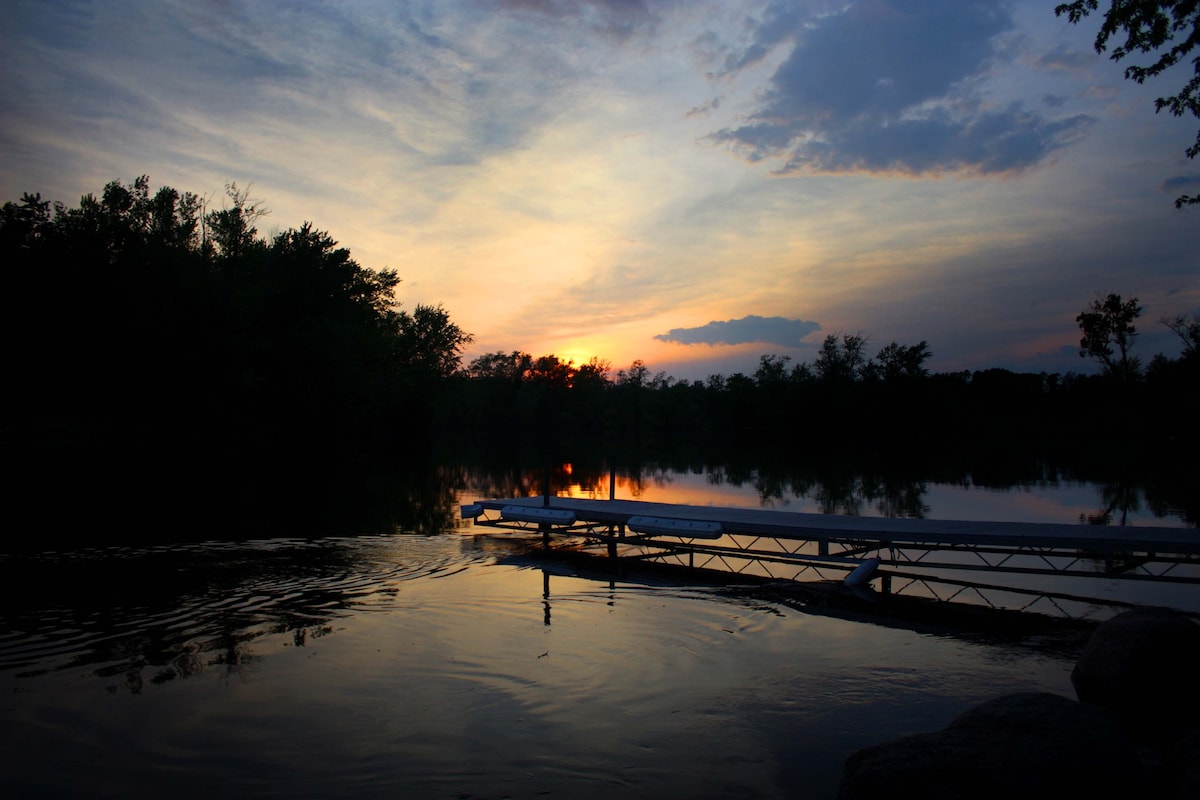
(168, 614)
(888, 491)
(1120, 501)
(452, 664)
(164, 612)
(159, 614)
(440, 675)
(1038, 493)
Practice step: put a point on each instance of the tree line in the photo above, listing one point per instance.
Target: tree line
(168, 348)
(165, 348)
(846, 398)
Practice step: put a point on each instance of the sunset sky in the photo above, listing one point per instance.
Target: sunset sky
(693, 184)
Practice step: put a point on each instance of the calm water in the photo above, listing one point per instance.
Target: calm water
(454, 665)
(1047, 499)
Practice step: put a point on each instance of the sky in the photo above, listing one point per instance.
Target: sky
(692, 184)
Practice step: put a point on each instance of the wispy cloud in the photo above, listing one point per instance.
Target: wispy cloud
(586, 174)
(618, 19)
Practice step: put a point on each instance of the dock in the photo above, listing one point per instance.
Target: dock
(860, 551)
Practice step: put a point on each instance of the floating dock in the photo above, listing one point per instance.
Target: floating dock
(792, 545)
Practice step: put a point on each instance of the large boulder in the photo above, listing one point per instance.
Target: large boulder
(1183, 766)
(1142, 665)
(1028, 746)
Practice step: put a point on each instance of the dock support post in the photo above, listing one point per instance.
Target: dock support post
(612, 543)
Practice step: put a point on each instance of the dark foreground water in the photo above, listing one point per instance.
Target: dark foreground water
(456, 665)
(402, 666)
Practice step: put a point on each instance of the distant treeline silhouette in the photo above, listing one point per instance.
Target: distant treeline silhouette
(843, 399)
(167, 349)
(846, 426)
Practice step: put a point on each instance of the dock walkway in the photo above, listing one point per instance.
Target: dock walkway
(794, 545)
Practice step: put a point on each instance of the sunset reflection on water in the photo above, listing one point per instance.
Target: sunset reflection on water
(1059, 501)
(459, 665)
(437, 658)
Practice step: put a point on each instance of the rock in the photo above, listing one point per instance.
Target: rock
(1028, 746)
(1141, 665)
(1183, 766)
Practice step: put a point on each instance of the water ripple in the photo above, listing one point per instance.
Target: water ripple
(183, 608)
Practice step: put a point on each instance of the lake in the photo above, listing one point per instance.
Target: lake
(440, 663)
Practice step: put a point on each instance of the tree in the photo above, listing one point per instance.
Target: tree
(1187, 328)
(430, 342)
(636, 376)
(231, 230)
(899, 362)
(552, 371)
(1151, 26)
(21, 224)
(594, 374)
(184, 337)
(772, 371)
(501, 367)
(1106, 324)
(841, 359)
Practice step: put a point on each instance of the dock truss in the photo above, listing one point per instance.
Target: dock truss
(945, 559)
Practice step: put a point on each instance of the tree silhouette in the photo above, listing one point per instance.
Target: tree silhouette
(900, 362)
(1107, 324)
(431, 343)
(230, 231)
(1187, 328)
(1152, 27)
(175, 350)
(772, 371)
(841, 359)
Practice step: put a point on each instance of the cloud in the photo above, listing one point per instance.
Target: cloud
(541, 167)
(867, 87)
(618, 19)
(1066, 59)
(1180, 183)
(766, 330)
(406, 100)
(704, 109)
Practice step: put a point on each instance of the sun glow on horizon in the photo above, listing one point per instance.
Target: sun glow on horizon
(560, 190)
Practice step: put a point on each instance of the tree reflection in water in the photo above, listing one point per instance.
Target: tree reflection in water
(156, 614)
(888, 487)
(153, 613)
